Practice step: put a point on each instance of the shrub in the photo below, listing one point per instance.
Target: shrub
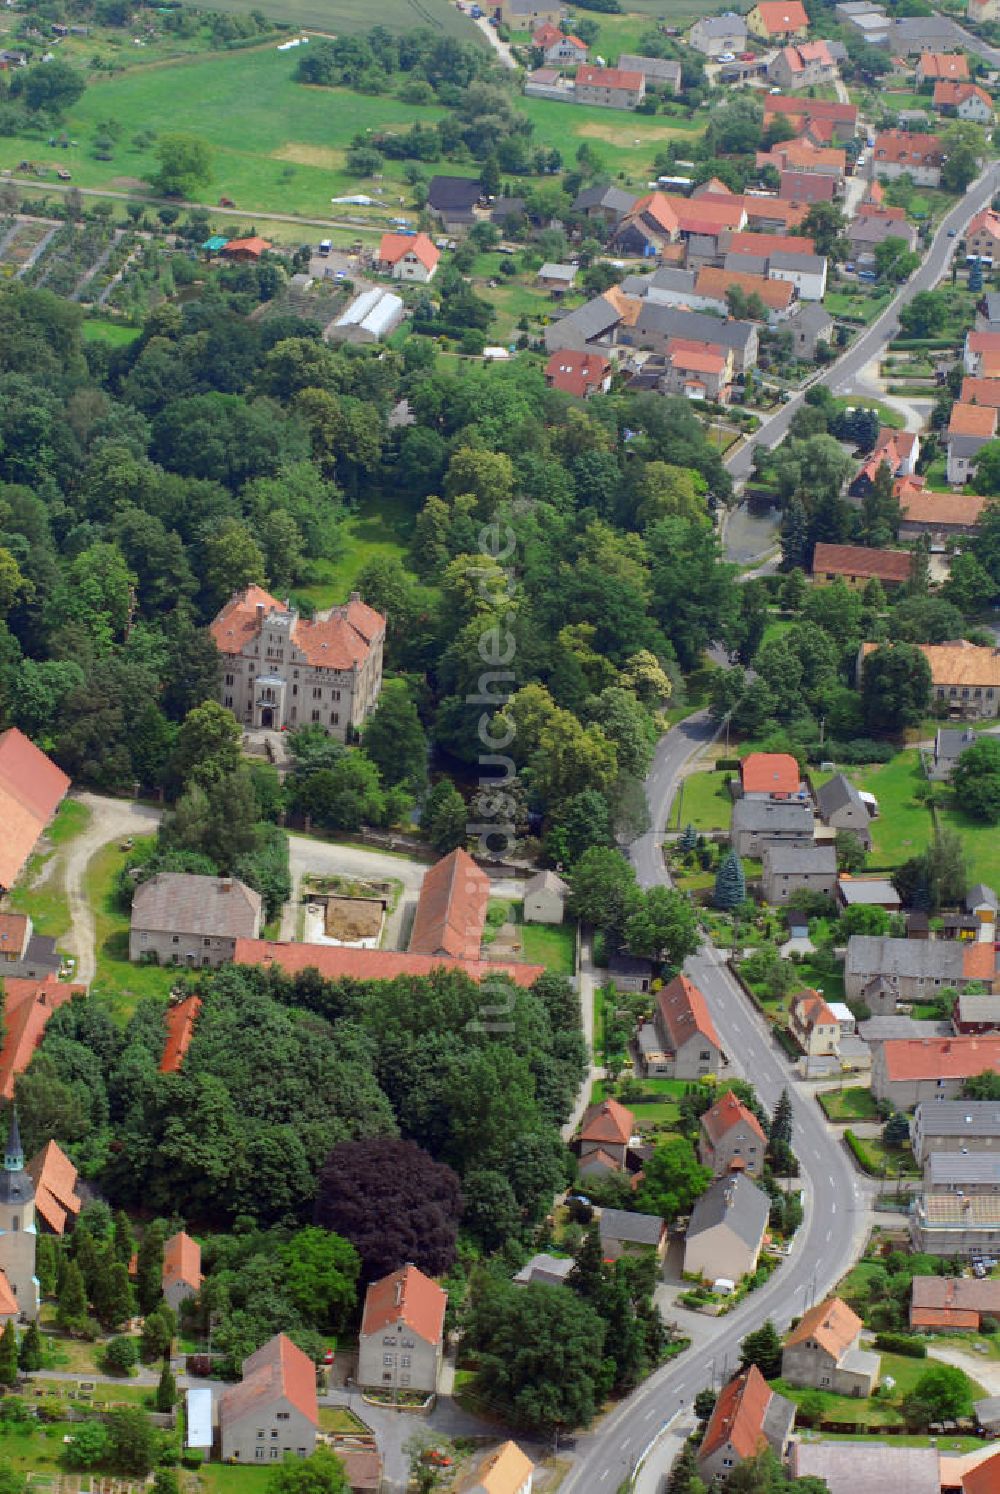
(864, 1158)
(901, 1343)
(120, 1355)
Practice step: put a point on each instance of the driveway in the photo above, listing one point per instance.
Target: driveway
(976, 1366)
(110, 820)
(501, 48)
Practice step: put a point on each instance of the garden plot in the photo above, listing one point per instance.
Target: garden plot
(69, 260)
(22, 243)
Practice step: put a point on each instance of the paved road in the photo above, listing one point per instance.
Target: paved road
(501, 48)
(840, 375)
(963, 38)
(836, 1201)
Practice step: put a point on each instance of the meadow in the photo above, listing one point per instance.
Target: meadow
(342, 16)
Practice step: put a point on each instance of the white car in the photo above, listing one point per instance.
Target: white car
(727, 57)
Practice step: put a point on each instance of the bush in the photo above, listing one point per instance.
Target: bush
(864, 1158)
(901, 1343)
(121, 1355)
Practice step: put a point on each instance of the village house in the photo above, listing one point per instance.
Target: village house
(624, 1233)
(959, 1127)
(975, 920)
(941, 516)
(681, 1041)
(955, 1303)
(857, 565)
(454, 199)
(966, 100)
(407, 256)
(249, 250)
(662, 73)
(973, 1015)
(981, 353)
(963, 1175)
(715, 35)
(579, 374)
(932, 66)
(787, 870)
(401, 1341)
(556, 278)
(757, 823)
(182, 1276)
(698, 371)
(916, 968)
(778, 20)
(807, 272)
(865, 232)
(281, 670)
(841, 806)
(545, 897)
(57, 1202)
(603, 1141)
(726, 1230)
(975, 391)
(867, 1467)
(982, 239)
(559, 47)
(180, 1022)
(802, 155)
(544, 1270)
(806, 65)
(182, 919)
(747, 1418)
(731, 1138)
(656, 327)
(451, 908)
(964, 675)
(930, 1069)
(949, 744)
(505, 1470)
(604, 203)
(897, 450)
(802, 113)
(813, 1025)
(823, 1351)
(630, 973)
(31, 790)
(811, 328)
(526, 15)
(24, 953)
(867, 892)
(272, 1413)
(945, 1224)
(803, 188)
(344, 962)
(898, 153)
(970, 428)
(27, 1007)
(771, 775)
(609, 87)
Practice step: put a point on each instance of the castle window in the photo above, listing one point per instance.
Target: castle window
(15, 1224)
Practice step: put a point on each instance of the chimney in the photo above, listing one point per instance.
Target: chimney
(260, 613)
(399, 1291)
(225, 884)
(355, 596)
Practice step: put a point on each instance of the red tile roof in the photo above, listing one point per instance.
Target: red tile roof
(13, 934)
(983, 342)
(727, 1112)
(941, 1058)
(812, 1011)
(336, 962)
(873, 209)
(964, 509)
(31, 790)
(608, 1121)
(769, 243)
(406, 1296)
(182, 1261)
(340, 639)
(277, 1371)
(770, 773)
(781, 16)
(980, 392)
(774, 209)
(952, 65)
(181, 1018)
(806, 186)
(943, 1317)
(704, 358)
(777, 295)
(799, 57)
(859, 560)
(832, 1324)
(949, 95)
(8, 1302)
(395, 246)
(738, 1416)
(810, 108)
(901, 148)
(972, 420)
(546, 35)
(984, 1478)
(964, 1292)
(54, 1177)
(451, 909)
(28, 1005)
(685, 1011)
(577, 373)
(588, 76)
(253, 246)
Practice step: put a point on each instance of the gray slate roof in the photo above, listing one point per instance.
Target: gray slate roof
(547, 881)
(630, 1229)
(746, 264)
(672, 321)
(950, 741)
(735, 1202)
(604, 195)
(869, 892)
(179, 903)
(552, 271)
(776, 815)
(959, 1117)
(879, 954)
(888, 1029)
(666, 278)
(869, 1467)
(657, 69)
(544, 1268)
(988, 1411)
(993, 306)
(586, 324)
(788, 861)
(812, 317)
(980, 894)
(979, 1009)
(839, 793)
(720, 25)
(808, 264)
(959, 1169)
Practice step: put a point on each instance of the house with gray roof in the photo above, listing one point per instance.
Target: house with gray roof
(962, 1126)
(914, 968)
(949, 744)
(876, 1030)
(866, 233)
(623, 1233)
(988, 313)
(868, 1467)
(714, 36)
(726, 1229)
(867, 892)
(604, 202)
(181, 919)
(841, 807)
(914, 34)
(590, 325)
(656, 325)
(757, 823)
(962, 1172)
(545, 1270)
(662, 72)
(974, 1014)
(787, 869)
(810, 325)
(545, 897)
(807, 272)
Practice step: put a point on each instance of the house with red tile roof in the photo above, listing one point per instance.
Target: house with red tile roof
(981, 353)
(747, 1418)
(273, 1412)
(451, 909)
(970, 428)
(182, 1276)
(23, 952)
(803, 188)
(181, 1018)
(906, 1071)
(953, 1302)
(801, 112)
(801, 155)
(775, 212)
(813, 1025)
(562, 49)
(609, 87)
(27, 1007)
(982, 237)
(765, 244)
(409, 256)
(57, 1202)
(984, 1478)
(603, 1140)
(803, 65)
(778, 20)
(401, 1341)
(731, 1138)
(823, 1351)
(858, 564)
(965, 676)
(698, 370)
(31, 790)
(339, 962)
(966, 100)
(281, 670)
(681, 1041)
(899, 153)
(953, 66)
(252, 248)
(770, 775)
(897, 450)
(941, 515)
(505, 1470)
(714, 286)
(578, 373)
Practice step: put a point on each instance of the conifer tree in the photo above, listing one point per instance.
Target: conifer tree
(119, 1302)
(72, 1297)
(8, 1354)
(730, 883)
(587, 1276)
(29, 1355)
(689, 839)
(166, 1390)
(149, 1268)
(47, 1265)
(781, 1122)
(124, 1240)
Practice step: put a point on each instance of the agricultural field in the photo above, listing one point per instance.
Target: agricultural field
(343, 16)
(628, 142)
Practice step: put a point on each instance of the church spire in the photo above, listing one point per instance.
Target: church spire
(13, 1160)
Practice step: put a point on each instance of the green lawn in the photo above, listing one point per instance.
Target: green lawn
(657, 1105)
(115, 333)
(879, 1410)
(886, 413)
(379, 528)
(705, 803)
(857, 306)
(982, 844)
(47, 906)
(337, 16)
(848, 1104)
(71, 819)
(118, 983)
(903, 828)
(549, 944)
(628, 142)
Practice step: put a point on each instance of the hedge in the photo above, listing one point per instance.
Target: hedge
(901, 1343)
(864, 1158)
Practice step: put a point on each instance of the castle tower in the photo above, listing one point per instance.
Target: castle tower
(17, 1224)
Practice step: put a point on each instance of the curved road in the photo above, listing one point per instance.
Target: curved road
(836, 1205)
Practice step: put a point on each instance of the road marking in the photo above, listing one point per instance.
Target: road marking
(833, 1208)
(649, 1414)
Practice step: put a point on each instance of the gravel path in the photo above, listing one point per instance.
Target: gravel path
(111, 819)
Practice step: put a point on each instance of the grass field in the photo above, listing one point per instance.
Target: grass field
(903, 828)
(118, 983)
(982, 844)
(628, 142)
(378, 529)
(551, 945)
(706, 803)
(879, 1410)
(334, 16)
(114, 333)
(657, 1105)
(848, 1105)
